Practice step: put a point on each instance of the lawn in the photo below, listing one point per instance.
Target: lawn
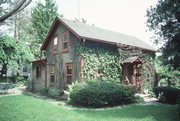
(28, 108)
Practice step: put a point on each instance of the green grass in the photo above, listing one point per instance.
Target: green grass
(27, 108)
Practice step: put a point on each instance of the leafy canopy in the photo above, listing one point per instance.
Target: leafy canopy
(42, 17)
(162, 18)
(13, 51)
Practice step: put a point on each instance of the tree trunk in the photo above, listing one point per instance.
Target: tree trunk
(3, 74)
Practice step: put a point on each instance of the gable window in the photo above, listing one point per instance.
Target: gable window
(55, 45)
(38, 71)
(52, 74)
(69, 73)
(65, 41)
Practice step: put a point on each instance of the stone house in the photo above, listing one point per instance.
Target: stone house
(62, 65)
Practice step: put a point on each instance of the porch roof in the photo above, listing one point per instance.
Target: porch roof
(39, 60)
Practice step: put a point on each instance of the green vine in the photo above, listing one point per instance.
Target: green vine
(110, 62)
(104, 59)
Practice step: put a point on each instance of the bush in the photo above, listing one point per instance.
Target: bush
(45, 90)
(138, 99)
(52, 92)
(19, 78)
(167, 94)
(100, 94)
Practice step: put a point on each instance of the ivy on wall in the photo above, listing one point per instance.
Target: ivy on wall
(109, 60)
(98, 58)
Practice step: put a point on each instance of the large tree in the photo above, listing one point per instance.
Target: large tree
(164, 20)
(42, 18)
(12, 54)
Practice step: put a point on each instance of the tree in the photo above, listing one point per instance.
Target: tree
(12, 53)
(164, 20)
(23, 31)
(42, 18)
(17, 8)
(166, 74)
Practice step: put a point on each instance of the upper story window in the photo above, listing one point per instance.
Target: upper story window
(55, 45)
(65, 41)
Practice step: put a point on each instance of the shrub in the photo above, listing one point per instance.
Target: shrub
(138, 99)
(52, 92)
(167, 94)
(100, 94)
(19, 78)
(45, 90)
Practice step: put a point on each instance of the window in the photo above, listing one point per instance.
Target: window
(52, 74)
(65, 41)
(55, 45)
(38, 71)
(24, 69)
(69, 73)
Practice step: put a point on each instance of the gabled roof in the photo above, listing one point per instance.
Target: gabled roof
(97, 34)
(132, 60)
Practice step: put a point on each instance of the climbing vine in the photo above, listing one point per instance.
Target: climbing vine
(109, 61)
(101, 58)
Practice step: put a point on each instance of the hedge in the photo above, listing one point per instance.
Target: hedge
(100, 94)
(167, 94)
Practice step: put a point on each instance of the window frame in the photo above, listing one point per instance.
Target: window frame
(38, 71)
(55, 52)
(72, 73)
(68, 42)
(53, 83)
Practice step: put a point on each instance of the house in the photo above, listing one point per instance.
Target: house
(62, 65)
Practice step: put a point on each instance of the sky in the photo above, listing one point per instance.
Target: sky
(124, 16)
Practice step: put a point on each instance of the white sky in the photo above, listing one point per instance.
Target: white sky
(124, 16)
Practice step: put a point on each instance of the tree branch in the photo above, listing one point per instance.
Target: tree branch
(18, 8)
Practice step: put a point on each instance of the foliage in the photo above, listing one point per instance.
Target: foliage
(162, 18)
(42, 18)
(167, 94)
(109, 61)
(138, 99)
(45, 90)
(12, 53)
(167, 74)
(53, 92)
(100, 94)
(105, 59)
(171, 53)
